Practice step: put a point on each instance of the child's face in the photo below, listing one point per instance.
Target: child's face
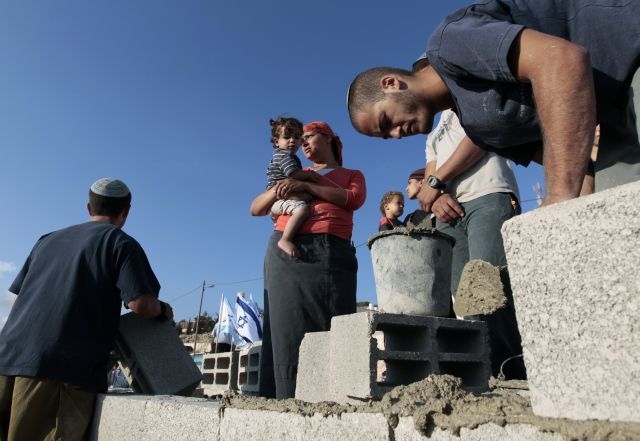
(289, 140)
(395, 207)
(413, 188)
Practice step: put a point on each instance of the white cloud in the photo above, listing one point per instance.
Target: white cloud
(6, 302)
(6, 267)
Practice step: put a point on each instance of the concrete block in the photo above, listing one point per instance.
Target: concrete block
(249, 370)
(576, 286)
(219, 372)
(313, 373)
(154, 418)
(155, 359)
(409, 347)
(240, 425)
(485, 432)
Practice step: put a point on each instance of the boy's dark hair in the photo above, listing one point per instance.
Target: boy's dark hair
(285, 127)
(108, 206)
(386, 198)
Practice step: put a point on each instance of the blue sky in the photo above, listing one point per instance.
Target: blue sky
(174, 98)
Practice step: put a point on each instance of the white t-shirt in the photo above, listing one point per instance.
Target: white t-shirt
(491, 174)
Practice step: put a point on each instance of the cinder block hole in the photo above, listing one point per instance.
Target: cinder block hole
(404, 338)
(242, 378)
(243, 360)
(253, 378)
(224, 362)
(402, 372)
(207, 379)
(209, 363)
(222, 379)
(471, 373)
(465, 341)
(254, 359)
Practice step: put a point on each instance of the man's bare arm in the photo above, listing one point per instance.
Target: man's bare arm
(462, 159)
(561, 77)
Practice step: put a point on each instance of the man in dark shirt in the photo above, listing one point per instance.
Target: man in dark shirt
(55, 344)
(521, 74)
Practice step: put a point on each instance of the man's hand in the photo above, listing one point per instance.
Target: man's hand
(427, 196)
(167, 310)
(447, 209)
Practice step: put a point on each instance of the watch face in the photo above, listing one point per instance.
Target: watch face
(434, 182)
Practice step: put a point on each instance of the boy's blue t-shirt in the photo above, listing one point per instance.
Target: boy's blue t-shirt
(65, 318)
(469, 51)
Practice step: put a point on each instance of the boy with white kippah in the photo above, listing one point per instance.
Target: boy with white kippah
(54, 347)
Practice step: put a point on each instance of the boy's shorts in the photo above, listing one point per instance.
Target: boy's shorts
(286, 206)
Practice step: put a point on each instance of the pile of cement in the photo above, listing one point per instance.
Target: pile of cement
(441, 401)
(480, 290)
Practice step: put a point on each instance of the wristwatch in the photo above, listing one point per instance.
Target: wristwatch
(434, 182)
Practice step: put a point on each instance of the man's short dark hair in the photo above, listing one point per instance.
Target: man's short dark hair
(108, 206)
(365, 90)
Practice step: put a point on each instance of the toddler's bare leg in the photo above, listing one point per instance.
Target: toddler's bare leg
(296, 220)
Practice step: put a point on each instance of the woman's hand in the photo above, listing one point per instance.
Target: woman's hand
(286, 187)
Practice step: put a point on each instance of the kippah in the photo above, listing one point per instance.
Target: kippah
(417, 174)
(110, 187)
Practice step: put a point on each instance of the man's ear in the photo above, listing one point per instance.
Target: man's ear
(392, 82)
(389, 82)
(89, 209)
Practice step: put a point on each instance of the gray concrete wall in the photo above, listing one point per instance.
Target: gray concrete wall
(575, 274)
(161, 418)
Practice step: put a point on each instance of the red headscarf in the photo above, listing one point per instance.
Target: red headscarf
(324, 128)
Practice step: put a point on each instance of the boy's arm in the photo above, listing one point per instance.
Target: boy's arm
(303, 175)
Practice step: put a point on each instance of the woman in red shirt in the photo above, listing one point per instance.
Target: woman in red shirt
(302, 294)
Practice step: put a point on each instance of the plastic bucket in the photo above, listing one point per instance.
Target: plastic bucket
(412, 270)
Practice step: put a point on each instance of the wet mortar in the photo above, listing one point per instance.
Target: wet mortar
(480, 290)
(441, 401)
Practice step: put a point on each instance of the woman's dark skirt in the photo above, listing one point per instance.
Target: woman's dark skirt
(302, 295)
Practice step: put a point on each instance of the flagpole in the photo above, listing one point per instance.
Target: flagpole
(217, 337)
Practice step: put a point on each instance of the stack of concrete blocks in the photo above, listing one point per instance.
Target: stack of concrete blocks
(154, 359)
(249, 370)
(219, 372)
(575, 276)
(343, 364)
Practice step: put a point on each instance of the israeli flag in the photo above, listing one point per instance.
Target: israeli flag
(248, 321)
(225, 330)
